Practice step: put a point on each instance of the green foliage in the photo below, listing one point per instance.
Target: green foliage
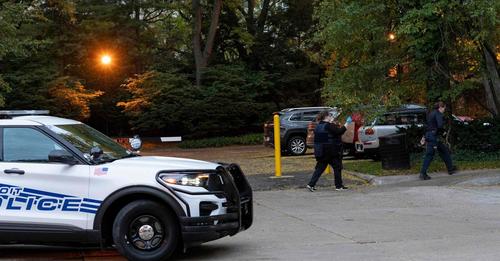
(481, 136)
(259, 64)
(264, 59)
(249, 139)
(159, 101)
(17, 39)
(465, 160)
(358, 55)
(275, 44)
(229, 102)
(414, 134)
(436, 53)
(70, 99)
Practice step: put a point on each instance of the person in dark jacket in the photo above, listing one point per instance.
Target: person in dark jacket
(327, 149)
(433, 137)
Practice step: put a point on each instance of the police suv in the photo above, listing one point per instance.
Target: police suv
(63, 182)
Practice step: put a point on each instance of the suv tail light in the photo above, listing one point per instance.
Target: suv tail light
(369, 131)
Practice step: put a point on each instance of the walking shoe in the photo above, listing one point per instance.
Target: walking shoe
(341, 188)
(424, 177)
(312, 189)
(452, 170)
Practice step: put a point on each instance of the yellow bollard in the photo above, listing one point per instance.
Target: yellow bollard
(328, 170)
(277, 145)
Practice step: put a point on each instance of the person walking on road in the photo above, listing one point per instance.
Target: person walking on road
(433, 136)
(327, 149)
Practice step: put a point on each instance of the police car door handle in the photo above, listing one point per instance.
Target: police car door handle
(13, 171)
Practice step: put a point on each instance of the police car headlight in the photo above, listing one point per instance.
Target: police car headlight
(209, 181)
(195, 180)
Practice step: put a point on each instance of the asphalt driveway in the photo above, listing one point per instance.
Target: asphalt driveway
(435, 222)
(438, 220)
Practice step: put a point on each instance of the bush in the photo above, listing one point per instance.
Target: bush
(478, 135)
(230, 102)
(414, 134)
(482, 135)
(249, 139)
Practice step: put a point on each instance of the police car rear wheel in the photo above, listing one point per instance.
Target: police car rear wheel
(297, 145)
(145, 230)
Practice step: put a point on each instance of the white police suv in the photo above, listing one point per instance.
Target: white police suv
(63, 182)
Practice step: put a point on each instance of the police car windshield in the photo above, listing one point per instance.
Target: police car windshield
(84, 137)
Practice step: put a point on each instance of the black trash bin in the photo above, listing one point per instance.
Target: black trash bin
(394, 152)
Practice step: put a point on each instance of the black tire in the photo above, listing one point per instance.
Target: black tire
(296, 145)
(154, 219)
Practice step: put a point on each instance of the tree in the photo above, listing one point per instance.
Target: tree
(70, 99)
(442, 50)
(15, 40)
(358, 55)
(229, 103)
(202, 54)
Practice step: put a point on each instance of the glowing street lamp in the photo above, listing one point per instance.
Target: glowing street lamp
(106, 59)
(392, 36)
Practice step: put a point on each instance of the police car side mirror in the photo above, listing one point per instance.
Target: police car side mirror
(62, 156)
(96, 152)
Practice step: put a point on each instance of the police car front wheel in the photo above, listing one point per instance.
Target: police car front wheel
(145, 230)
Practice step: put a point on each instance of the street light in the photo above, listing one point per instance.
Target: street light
(106, 59)
(392, 36)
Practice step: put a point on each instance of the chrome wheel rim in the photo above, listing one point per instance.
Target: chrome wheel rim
(297, 146)
(145, 233)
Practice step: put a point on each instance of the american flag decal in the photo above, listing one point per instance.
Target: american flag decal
(100, 171)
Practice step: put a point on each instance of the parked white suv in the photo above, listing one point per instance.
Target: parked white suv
(388, 124)
(63, 182)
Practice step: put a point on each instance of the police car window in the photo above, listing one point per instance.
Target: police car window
(309, 116)
(27, 145)
(84, 137)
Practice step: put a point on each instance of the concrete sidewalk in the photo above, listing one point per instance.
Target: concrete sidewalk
(432, 221)
(295, 180)
(351, 179)
(488, 177)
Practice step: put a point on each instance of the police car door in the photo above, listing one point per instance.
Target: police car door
(34, 190)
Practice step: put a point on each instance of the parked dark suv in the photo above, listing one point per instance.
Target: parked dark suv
(293, 128)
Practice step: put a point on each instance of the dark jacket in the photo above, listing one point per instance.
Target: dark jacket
(328, 140)
(435, 122)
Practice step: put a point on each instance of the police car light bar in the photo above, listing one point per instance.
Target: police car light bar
(15, 113)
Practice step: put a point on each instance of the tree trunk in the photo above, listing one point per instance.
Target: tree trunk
(261, 22)
(201, 55)
(492, 81)
(250, 17)
(490, 98)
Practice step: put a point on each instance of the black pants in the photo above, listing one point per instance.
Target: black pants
(433, 144)
(321, 164)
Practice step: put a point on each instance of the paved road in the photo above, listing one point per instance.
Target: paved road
(438, 220)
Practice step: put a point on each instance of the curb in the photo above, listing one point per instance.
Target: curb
(372, 179)
(386, 180)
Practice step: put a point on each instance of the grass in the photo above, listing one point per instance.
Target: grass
(249, 139)
(463, 160)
